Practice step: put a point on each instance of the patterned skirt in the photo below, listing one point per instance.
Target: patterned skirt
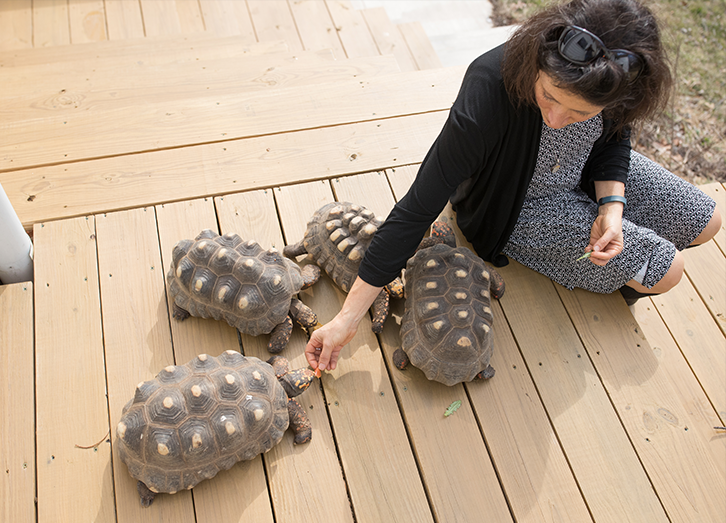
(664, 213)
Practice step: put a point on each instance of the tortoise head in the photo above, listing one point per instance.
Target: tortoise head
(295, 382)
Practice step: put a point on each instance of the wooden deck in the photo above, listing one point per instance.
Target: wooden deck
(127, 126)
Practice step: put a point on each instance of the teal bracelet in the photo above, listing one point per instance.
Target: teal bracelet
(613, 198)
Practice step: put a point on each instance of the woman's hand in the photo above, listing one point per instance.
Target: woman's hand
(606, 235)
(325, 344)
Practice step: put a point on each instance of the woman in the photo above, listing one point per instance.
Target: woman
(535, 158)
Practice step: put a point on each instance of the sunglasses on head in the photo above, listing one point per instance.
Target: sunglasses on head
(580, 47)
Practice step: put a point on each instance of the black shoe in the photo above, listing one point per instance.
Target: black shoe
(631, 295)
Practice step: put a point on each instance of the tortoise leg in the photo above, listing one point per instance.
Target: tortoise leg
(299, 422)
(400, 359)
(294, 250)
(381, 307)
(496, 283)
(178, 313)
(302, 314)
(485, 374)
(310, 275)
(279, 336)
(146, 495)
(280, 366)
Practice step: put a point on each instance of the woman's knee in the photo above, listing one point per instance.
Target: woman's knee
(713, 226)
(669, 280)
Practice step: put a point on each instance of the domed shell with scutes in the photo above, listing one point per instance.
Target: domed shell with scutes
(192, 421)
(337, 237)
(445, 329)
(226, 277)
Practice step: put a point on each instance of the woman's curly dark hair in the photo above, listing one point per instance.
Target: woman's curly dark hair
(620, 24)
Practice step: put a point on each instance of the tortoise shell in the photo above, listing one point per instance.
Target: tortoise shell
(446, 326)
(337, 237)
(226, 277)
(194, 420)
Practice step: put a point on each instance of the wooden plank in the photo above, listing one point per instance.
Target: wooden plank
(273, 20)
(228, 17)
(171, 17)
(73, 79)
(315, 26)
(698, 336)
(419, 45)
(706, 269)
(530, 463)
(16, 25)
(227, 77)
(379, 466)
(17, 408)
(150, 51)
(50, 23)
(193, 172)
(137, 339)
(451, 454)
(356, 39)
(198, 120)
(243, 487)
(388, 38)
(297, 475)
(123, 20)
(87, 21)
(610, 476)
(655, 398)
(74, 484)
(718, 193)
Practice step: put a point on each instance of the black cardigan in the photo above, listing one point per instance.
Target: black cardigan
(483, 161)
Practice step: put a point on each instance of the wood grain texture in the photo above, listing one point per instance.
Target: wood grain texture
(316, 27)
(228, 17)
(17, 424)
(123, 20)
(87, 20)
(273, 20)
(211, 77)
(378, 462)
(171, 17)
(698, 336)
(137, 339)
(298, 475)
(524, 448)
(193, 172)
(51, 25)
(16, 25)
(388, 38)
(203, 119)
(73, 484)
(597, 448)
(654, 398)
(451, 454)
(356, 39)
(240, 493)
(419, 45)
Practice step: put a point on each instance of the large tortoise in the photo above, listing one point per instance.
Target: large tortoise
(337, 237)
(194, 420)
(446, 326)
(253, 289)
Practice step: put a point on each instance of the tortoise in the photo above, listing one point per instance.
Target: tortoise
(337, 237)
(192, 421)
(446, 325)
(253, 289)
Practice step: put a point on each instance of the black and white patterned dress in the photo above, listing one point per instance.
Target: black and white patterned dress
(664, 213)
